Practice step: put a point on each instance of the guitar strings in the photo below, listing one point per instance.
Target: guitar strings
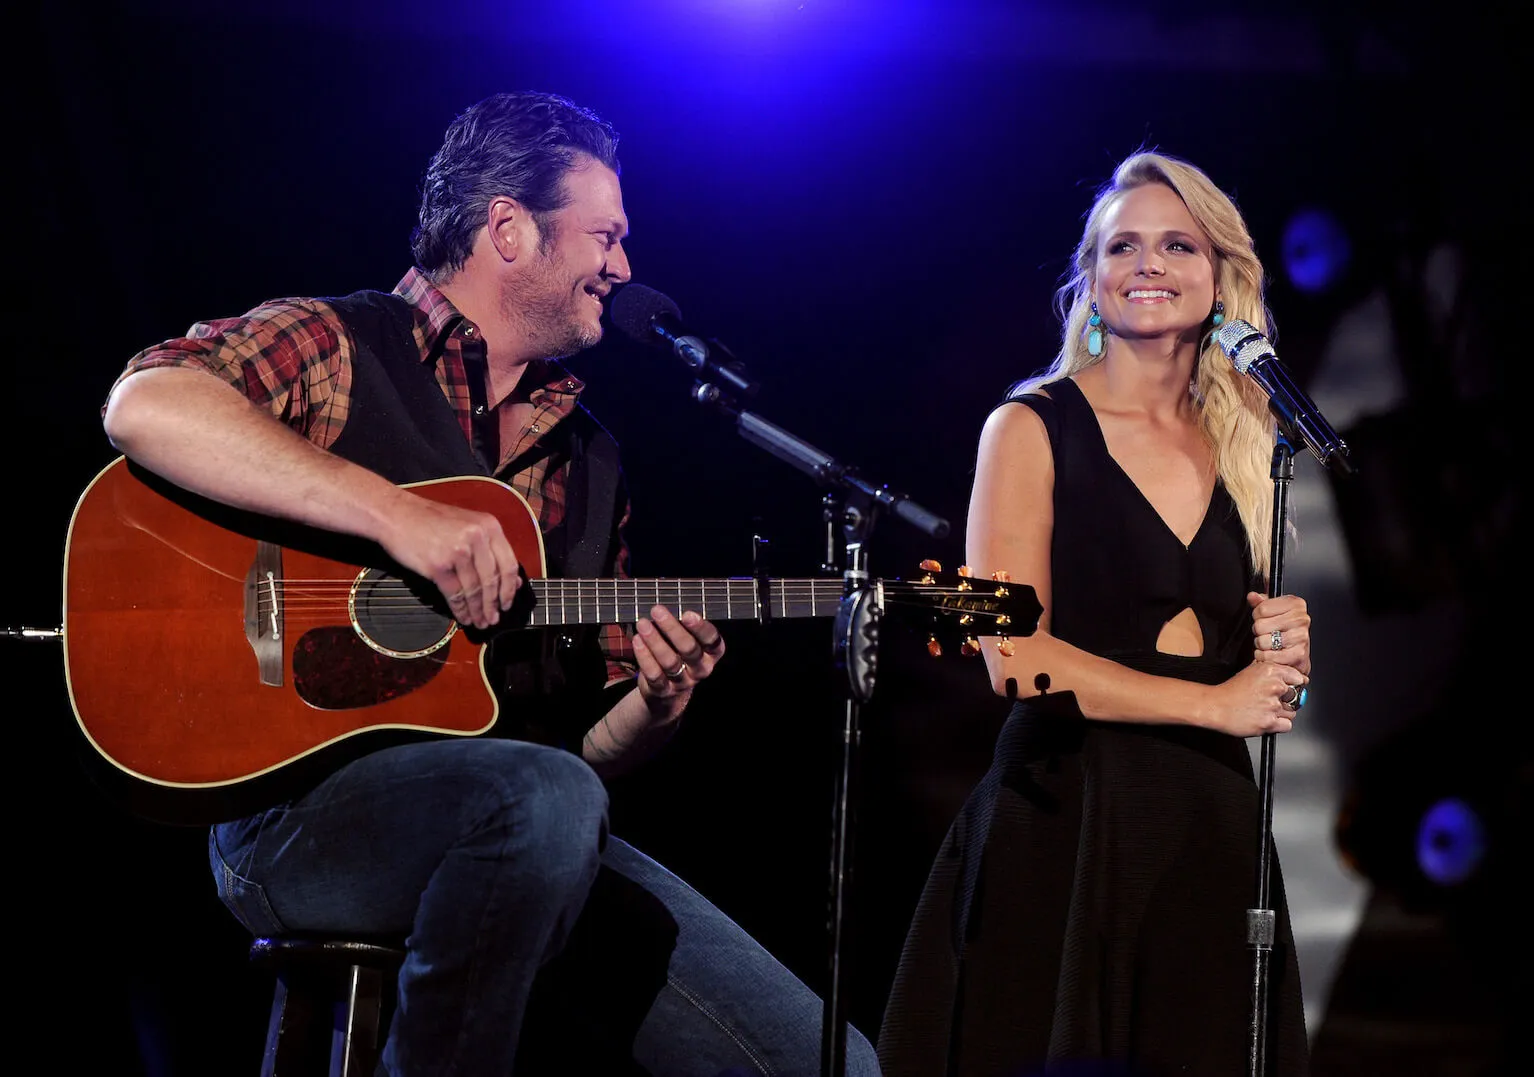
(398, 600)
(322, 584)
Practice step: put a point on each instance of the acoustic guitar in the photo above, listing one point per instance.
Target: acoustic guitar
(216, 659)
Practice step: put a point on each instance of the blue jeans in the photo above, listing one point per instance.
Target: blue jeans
(535, 941)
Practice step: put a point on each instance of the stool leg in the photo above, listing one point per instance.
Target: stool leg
(292, 1029)
(355, 1048)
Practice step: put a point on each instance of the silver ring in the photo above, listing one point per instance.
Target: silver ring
(1293, 698)
(1277, 642)
(678, 673)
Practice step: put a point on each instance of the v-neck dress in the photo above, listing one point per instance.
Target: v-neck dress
(1089, 902)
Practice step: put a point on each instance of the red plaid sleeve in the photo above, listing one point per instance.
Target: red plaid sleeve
(287, 356)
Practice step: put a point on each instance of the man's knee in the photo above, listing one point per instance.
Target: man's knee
(862, 1061)
(563, 787)
(555, 809)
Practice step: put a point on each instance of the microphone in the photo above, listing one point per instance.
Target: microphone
(1253, 356)
(651, 317)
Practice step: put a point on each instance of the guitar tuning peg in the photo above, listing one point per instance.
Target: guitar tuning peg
(929, 565)
(1006, 647)
(934, 648)
(1001, 576)
(969, 647)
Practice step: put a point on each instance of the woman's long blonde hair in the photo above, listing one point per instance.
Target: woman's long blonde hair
(1233, 410)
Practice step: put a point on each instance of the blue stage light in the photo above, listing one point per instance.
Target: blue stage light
(1451, 842)
(1316, 250)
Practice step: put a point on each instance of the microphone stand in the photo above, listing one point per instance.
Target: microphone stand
(1298, 422)
(1261, 920)
(856, 648)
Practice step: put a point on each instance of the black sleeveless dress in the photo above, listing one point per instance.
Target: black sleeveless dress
(1086, 913)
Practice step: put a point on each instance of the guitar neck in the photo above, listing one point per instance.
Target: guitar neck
(615, 601)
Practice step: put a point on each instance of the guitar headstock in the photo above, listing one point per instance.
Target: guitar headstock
(956, 609)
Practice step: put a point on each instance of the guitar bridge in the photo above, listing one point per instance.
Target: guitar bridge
(264, 612)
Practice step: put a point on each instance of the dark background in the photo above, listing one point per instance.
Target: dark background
(870, 204)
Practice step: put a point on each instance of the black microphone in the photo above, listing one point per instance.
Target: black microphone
(1253, 356)
(652, 318)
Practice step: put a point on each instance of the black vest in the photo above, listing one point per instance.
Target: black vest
(402, 426)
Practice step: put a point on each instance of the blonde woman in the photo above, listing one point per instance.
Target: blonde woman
(1088, 905)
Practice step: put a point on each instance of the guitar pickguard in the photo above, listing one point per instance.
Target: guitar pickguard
(334, 670)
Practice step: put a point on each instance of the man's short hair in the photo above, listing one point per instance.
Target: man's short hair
(519, 145)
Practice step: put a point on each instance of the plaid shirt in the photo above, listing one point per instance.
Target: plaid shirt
(293, 357)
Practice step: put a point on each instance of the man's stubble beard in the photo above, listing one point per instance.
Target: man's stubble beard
(551, 321)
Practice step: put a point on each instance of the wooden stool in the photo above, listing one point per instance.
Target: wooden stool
(331, 1003)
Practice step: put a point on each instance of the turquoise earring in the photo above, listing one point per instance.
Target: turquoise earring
(1219, 313)
(1095, 334)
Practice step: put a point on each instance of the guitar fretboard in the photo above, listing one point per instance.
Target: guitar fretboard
(568, 602)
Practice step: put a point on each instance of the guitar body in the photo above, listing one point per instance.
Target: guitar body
(174, 687)
(220, 661)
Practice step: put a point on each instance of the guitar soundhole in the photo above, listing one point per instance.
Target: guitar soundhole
(394, 619)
